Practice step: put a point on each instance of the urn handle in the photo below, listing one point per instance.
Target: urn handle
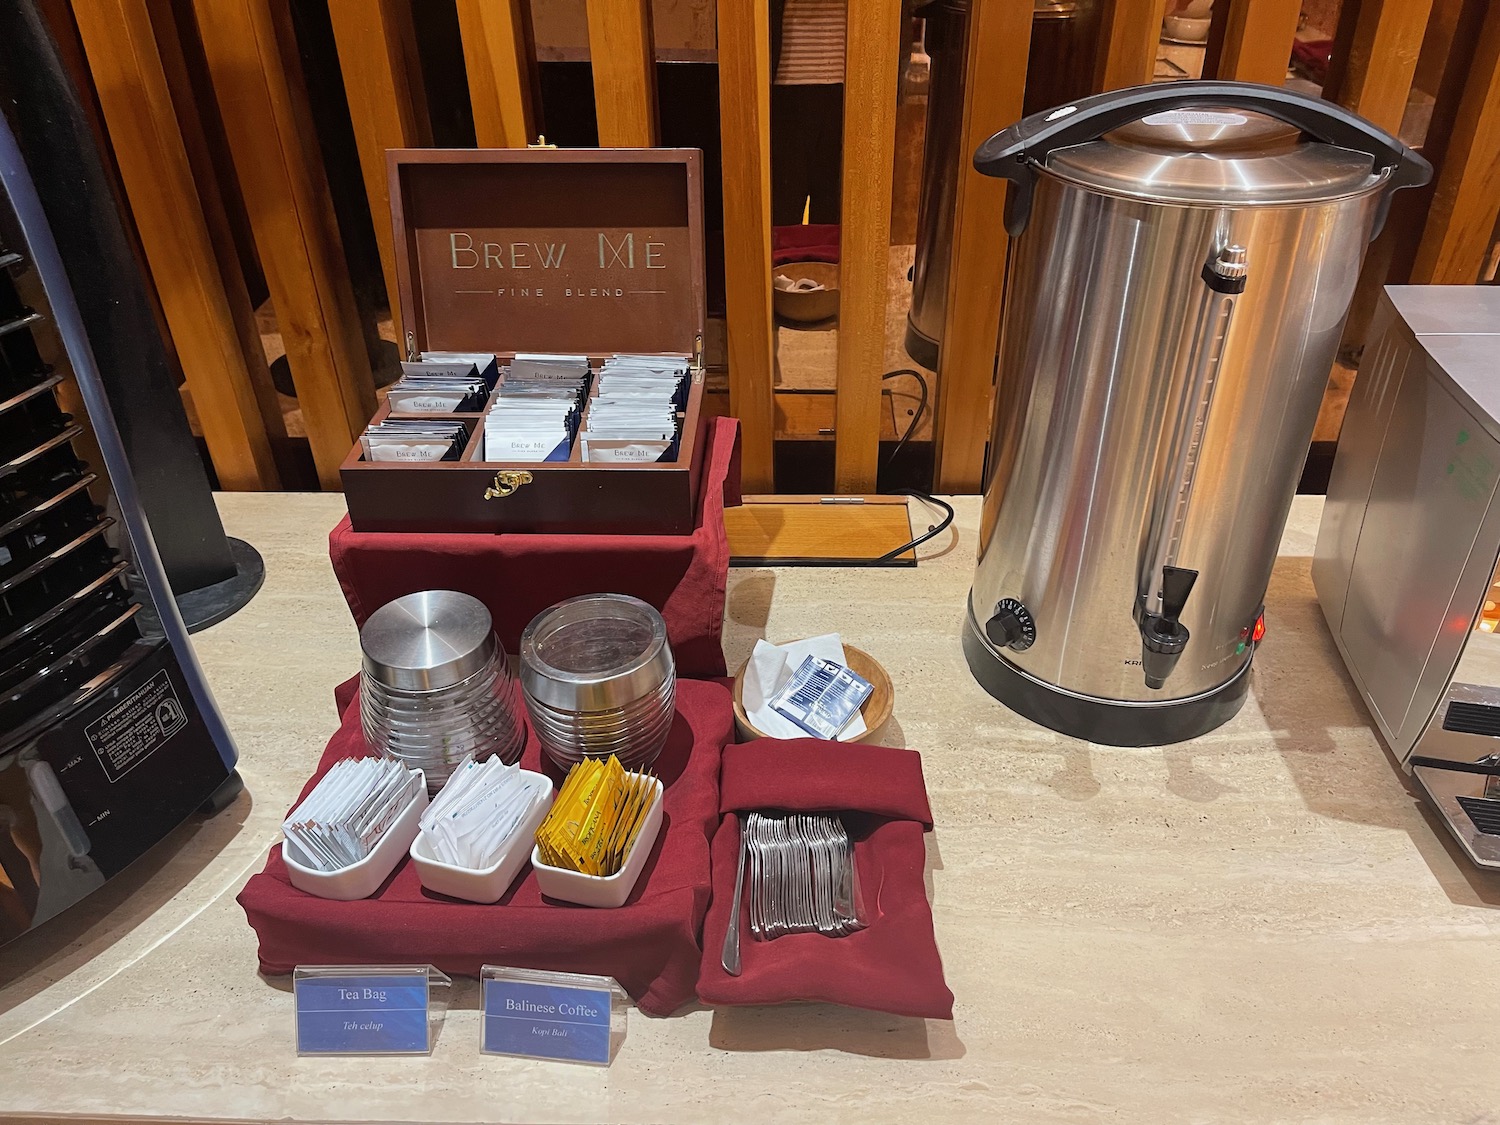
(1014, 154)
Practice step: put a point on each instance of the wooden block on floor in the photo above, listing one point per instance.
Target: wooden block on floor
(818, 531)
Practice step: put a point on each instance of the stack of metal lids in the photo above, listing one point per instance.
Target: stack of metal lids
(434, 685)
(598, 677)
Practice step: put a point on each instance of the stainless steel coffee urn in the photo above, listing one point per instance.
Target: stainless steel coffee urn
(1185, 256)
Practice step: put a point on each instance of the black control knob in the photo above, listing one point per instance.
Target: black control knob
(1012, 626)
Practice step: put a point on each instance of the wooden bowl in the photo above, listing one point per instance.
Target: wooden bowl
(876, 711)
(807, 306)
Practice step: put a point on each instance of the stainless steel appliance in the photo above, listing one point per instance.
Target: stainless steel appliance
(1060, 66)
(1184, 259)
(1406, 563)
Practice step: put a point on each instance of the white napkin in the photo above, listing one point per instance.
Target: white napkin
(770, 666)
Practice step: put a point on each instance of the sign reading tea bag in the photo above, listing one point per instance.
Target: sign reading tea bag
(366, 1009)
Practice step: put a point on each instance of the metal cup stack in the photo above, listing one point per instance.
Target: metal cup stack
(435, 687)
(598, 678)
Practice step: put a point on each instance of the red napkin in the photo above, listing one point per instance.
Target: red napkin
(805, 242)
(650, 945)
(518, 576)
(893, 964)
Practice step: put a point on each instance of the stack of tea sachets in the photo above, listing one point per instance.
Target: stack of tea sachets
(634, 415)
(350, 809)
(534, 414)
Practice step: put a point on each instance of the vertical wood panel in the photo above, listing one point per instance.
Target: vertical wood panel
(153, 163)
(1376, 76)
(279, 168)
(1258, 38)
(998, 44)
(498, 56)
(1466, 203)
(1131, 30)
(195, 119)
(872, 48)
(624, 65)
(371, 37)
(745, 124)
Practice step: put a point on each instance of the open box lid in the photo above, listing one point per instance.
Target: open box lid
(581, 251)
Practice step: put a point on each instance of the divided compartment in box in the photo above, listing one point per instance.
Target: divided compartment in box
(617, 237)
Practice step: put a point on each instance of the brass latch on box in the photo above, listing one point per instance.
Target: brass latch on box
(506, 482)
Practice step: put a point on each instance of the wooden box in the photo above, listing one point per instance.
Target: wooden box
(578, 251)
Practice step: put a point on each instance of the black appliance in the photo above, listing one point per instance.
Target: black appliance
(109, 736)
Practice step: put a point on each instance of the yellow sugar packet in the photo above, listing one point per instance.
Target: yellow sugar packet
(565, 819)
(645, 793)
(546, 831)
(615, 850)
(605, 814)
(648, 792)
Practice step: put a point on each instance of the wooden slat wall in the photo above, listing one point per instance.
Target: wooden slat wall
(280, 171)
(624, 64)
(153, 163)
(745, 124)
(1258, 39)
(1130, 32)
(167, 169)
(1374, 75)
(871, 69)
(373, 38)
(998, 44)
(1457, 234)
(498, 57)
(176, 33)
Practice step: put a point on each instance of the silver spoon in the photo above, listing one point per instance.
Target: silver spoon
(731, 955)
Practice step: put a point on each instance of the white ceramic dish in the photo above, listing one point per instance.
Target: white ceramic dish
(603, 890)
(362, 879)
(487, 884)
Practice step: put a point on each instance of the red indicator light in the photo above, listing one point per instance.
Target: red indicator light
(1260, 629)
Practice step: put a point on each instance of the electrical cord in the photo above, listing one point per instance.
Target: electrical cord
(932, 529)
(916, 419)
(911, 428)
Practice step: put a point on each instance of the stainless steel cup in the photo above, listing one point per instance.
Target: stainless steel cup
(434, 685)
(598, 678)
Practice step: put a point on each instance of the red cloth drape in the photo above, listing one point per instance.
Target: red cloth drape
(890, 966)
(650, 945)
(518, 576)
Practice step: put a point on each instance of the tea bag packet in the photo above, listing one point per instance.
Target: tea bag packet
(413, 439)
(425, 391)
(596, 817)
(439, 369)
(475, 818)
(609, 450)
(534, 413)
(532, 367)
(486, 365)
(821, 697)
(349, 810)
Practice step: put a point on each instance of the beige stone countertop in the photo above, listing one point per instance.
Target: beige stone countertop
(1261, 925)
